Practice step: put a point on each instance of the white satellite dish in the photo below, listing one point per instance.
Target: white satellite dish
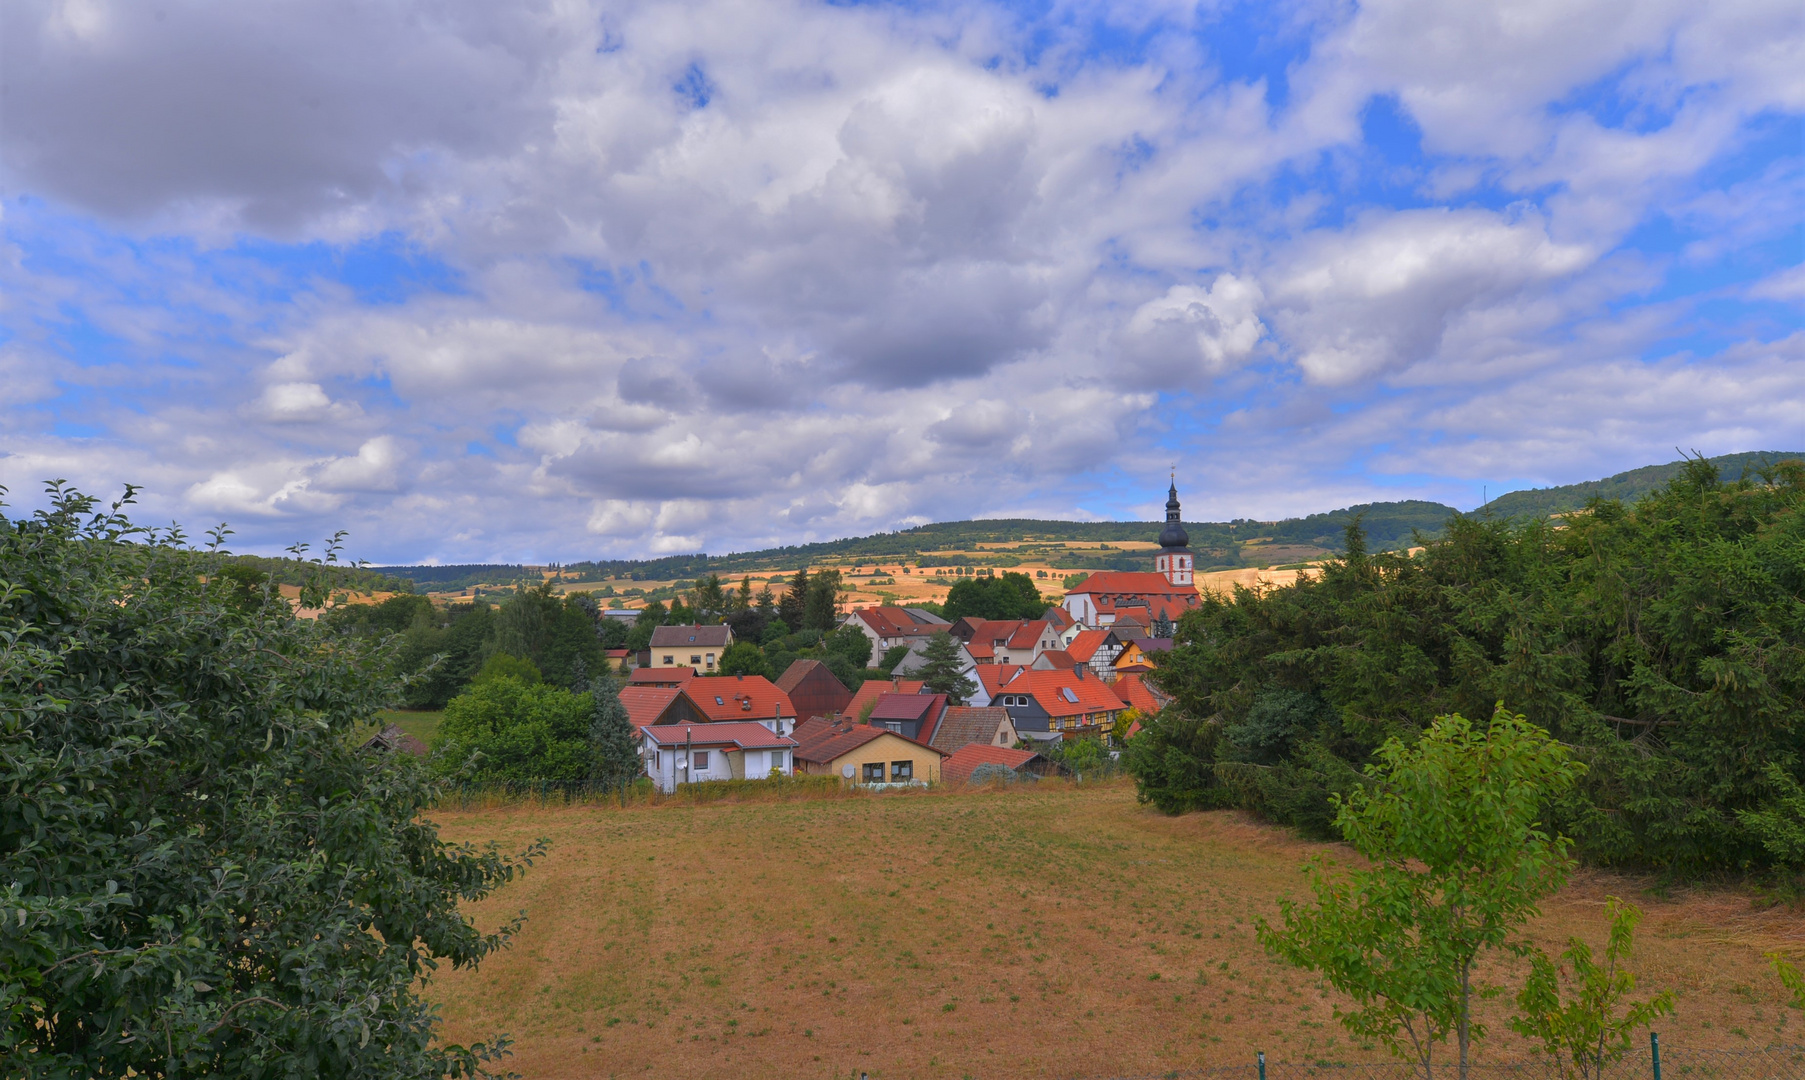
(846, 771)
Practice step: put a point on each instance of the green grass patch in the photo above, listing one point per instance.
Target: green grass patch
(422, 724)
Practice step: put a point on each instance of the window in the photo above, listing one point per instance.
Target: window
(718, 701)
(894, 726)
(1069, 694)
(874, 772)
(695, 658)
(901, 771)
(698, 760)
(711, 659)
(669, 659)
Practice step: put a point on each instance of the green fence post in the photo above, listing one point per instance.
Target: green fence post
(1262, 1065)
(1654, 1050)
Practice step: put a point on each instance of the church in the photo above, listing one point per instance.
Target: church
(1163, 595)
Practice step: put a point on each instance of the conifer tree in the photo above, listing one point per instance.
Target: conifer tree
(794, 605)
(616, 760)
(941, 671)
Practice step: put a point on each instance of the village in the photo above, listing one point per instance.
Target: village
(1079, 671)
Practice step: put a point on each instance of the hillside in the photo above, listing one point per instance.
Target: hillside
(1625, 486)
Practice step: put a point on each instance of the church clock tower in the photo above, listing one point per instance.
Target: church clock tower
(1174, 560)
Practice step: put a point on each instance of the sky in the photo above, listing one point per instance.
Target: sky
(557, 280)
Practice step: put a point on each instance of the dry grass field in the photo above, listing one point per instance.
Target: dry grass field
(1045, 931)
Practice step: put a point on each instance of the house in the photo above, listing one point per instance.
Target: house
(964, 725)
(1054, 660)
(876, 688)
(625, 615)
(393, 740)
(991, 679)
(620, 660)
(1165, 594)
(1010, 641)
(912, 715)
(864, 755)
(698, 647)
(1062, 622)
(813, 690)
(958, 768)
(1098, 649)
(651, 676)
(730, 698)
(693, 753)
(888, 627)
(1141, 655)
(1050, 705)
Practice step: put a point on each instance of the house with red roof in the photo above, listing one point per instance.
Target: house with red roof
(963, 725)
(1049, 705)
(888, 627)
(873, 689)
(651, 676)
(694, 753)
(864, 755)
(1138, 694)
(912, 715)
(648, 705)
(1099, 599)
(728, 698)
(1097, 649)
(991, 678)
(1009, 641)
(1141, 655)
(1054, 660)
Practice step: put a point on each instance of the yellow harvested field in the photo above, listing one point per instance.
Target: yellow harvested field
(1038, 931)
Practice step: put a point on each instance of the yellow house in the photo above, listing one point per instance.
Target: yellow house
(697, 647)
(864, 755)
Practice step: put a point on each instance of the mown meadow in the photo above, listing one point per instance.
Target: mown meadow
(1052, 930)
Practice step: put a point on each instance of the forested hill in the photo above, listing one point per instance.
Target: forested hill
(1625, 486)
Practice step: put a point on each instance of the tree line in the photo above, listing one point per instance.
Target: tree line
(1663, 643)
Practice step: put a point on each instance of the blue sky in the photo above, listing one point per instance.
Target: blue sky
(559, 281)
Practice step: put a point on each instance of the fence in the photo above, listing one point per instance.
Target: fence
(1656, 1062)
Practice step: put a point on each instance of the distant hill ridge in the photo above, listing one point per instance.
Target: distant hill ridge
(1219, 545)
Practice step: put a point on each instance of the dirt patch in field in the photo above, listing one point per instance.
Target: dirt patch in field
(1051, 931)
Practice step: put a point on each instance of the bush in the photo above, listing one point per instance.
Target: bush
(504, 730)
(203, 873)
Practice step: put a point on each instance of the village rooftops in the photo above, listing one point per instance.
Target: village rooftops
(739, 697)
(645, 704)
(876, 688)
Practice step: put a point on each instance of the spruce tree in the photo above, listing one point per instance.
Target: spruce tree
(615, 763)
(942, 672)
(794, 605)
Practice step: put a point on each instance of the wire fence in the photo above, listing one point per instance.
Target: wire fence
(1655, 1062)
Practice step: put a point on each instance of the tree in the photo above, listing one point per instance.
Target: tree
(942, 670)
(1790, 977)
(503, 666)
(794, 605)
(1585, 1034)
(1451, 827)
(743, 658)
(1010, 596)
(709, 601)
(851, 643)
(204, 874)
(893, 656)
(507, 731)
(821, 608)
(650, 617)
(614, 761)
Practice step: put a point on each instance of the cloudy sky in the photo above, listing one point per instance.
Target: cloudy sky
(554, 279)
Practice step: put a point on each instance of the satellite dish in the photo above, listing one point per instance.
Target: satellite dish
(846, 771)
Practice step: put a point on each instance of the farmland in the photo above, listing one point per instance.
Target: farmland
(1053, 930)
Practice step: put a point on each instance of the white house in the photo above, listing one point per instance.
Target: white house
(693, 753)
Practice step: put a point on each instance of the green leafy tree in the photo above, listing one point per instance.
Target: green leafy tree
(204, 875)
(851, 643)
(651, 617)
(507, 731)
(942, 669)
(505, 666)
(1451, 826)
(743, 658)
(614, 757)
(893, 656)
(1009, 596)
(1585, 1034)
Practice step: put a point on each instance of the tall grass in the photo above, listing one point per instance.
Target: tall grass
(643, 792)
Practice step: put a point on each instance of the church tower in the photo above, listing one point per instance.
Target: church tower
(1174, 560)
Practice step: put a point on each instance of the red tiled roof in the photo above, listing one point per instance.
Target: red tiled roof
(993, 677)
(745, 734)
(724, 698)
(1134, 582)
(813, 689)
(962, 724)
(958, 768)
(1059, 659)
(1048, 688)
(646, 704)
(875, 689)
(1134, 692)
(1027, 635)
(669, 676)
(1085, 644)
(907, 706)
(1059, 618)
